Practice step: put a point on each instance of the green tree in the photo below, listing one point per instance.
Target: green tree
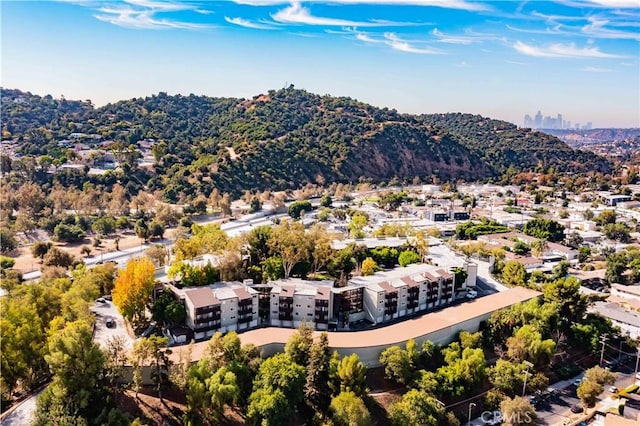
(41, 248)
(507, 377)
(348, 409)
(588, 392)
(606, 217)
(583, 254)
(317, 390)
(565, 294)
(398, 364)
(547, 229)
(223, 390)
(77, 364)
(419, 409)
(326, 200)
(299, 345)
(104, 226)
(518, 411)
(23, 343)
(357, 224)
(255, 205)
(349, 373)
(297, 207)
(155, 350)
(290, 242)
(277, 390)
(526, 344)
(408, 257)
(513, 273)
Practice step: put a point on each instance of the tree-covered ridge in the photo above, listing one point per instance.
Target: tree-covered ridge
(284, 139)
(504, 145)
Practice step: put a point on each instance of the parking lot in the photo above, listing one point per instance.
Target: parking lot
(102, 333)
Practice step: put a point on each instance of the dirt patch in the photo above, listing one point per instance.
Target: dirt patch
(25, 262)
(148, 408)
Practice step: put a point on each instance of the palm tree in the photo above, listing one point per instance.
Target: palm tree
(539, 247)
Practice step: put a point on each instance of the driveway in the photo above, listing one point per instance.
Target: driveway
(102, 333)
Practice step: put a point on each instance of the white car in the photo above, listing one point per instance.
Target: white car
(638, 375)
(613, 389)
(472, 294)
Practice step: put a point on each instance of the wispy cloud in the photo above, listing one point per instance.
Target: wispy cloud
(297, 14)
(447, 4)
(397, 43)
(616, 3)
(596, 69)
(561, 51)
(143, 14)
(442, 38)
(557, 29)
(596, 28)
(248, 24)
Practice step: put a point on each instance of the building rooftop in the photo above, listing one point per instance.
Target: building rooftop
(393, 334)
(201, 297)
(630, 289)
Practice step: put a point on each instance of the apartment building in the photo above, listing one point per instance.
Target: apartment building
(382, 297)
(403, 291)
(293, 302)
(219, 307)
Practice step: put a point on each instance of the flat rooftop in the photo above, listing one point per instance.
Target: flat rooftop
(393, 334)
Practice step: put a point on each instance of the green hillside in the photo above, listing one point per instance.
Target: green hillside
(285, 139)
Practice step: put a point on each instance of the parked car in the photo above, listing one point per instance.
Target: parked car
(638, 375)
(110, 322)
(576, 409)
(472, 294)
(101, 300)
(577, 381)
(613, 389)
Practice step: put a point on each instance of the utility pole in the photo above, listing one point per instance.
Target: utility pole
(635, 374)
(620, 351)
(603, 339)
(526, 375)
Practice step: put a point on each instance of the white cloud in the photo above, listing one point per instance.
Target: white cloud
(442, 38)
(561, 51)
(617, 3)
(596, 69)
(596, 28)
(248, 24)
(142, 14)
(397, 43)
(297, 14)
(447, 4)
(367, 39)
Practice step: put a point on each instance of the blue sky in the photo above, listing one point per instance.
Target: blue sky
(502, 59)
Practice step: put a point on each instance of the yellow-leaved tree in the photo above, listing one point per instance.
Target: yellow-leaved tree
(133, 288)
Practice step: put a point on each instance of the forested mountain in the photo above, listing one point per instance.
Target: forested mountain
(285, 139)
(502, 144)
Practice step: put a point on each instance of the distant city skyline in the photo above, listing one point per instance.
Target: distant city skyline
(538, 121)
(500, 59)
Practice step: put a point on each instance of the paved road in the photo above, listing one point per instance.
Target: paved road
(22, 414)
